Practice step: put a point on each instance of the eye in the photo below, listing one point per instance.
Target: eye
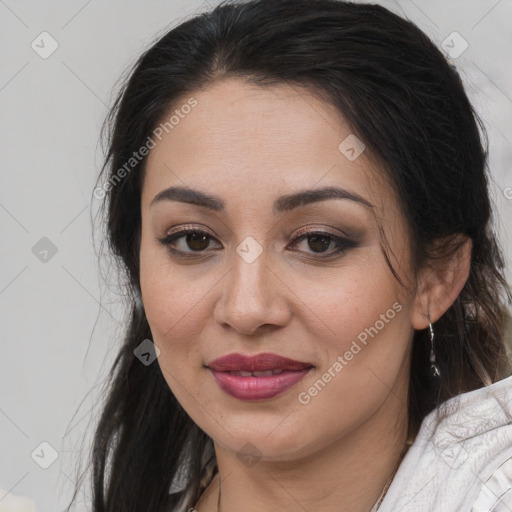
(319, 242)
(187, 241)
(192, 241)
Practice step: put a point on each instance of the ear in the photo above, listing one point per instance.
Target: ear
(440, 282)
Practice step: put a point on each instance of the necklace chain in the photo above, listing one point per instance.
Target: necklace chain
(379, 499)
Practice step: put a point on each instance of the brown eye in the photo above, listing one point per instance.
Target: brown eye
(323, 243)
(197, 241)
(187, 241)
(319, 243)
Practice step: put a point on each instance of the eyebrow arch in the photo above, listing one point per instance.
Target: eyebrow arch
(282, 204)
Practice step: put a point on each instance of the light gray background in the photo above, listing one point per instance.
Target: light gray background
(57, 341)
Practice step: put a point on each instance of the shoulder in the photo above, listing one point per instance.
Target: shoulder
(461, 458)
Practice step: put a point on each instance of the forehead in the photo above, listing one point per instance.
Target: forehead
(267, 140)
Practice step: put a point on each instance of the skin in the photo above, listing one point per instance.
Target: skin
(249, 145)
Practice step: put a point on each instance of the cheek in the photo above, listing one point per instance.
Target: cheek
(365, 300)
(175, 301)
(362, 339)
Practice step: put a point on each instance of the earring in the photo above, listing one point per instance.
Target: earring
(434, 369)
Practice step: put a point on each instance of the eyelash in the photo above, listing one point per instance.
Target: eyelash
(343, 243)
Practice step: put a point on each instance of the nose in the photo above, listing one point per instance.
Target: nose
(253, 297)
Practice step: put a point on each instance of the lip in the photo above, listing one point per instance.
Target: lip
(260, 362)
(286, 373)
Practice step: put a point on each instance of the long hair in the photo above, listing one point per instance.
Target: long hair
(406, 102)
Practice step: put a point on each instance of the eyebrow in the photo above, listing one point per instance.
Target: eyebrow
(282, 204)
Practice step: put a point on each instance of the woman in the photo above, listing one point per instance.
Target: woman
(297, 193)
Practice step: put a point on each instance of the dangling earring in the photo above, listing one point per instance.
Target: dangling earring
(434, 369)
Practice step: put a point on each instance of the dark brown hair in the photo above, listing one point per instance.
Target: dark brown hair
(406, 102)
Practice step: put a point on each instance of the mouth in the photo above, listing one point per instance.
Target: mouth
(257, 377)
(260, 373)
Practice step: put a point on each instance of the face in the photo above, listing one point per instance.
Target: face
(266, 271)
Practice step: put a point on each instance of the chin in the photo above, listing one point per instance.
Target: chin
(263, 436)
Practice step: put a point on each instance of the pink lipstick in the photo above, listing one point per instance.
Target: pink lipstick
(257, 377)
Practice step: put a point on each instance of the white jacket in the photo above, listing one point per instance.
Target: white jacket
(464, 464)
